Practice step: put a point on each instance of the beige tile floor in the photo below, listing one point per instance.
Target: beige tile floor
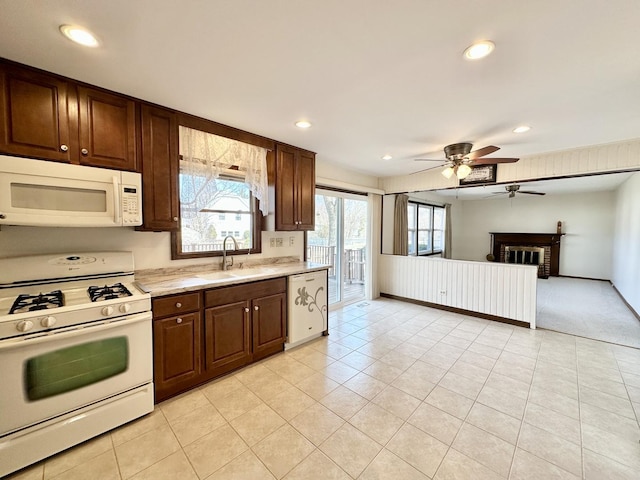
(397, 391)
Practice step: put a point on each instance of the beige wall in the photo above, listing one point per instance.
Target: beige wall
(587, 218)
(626, 245)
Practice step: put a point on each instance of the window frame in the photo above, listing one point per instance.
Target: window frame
(414, 230)
(256, 232)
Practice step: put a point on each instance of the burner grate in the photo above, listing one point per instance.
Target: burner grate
(108, 292)
(42, 301)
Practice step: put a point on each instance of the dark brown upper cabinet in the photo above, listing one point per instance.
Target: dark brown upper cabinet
(35, 115)
(49, 117)
(107, 129)
(159, 169)
(292, 178)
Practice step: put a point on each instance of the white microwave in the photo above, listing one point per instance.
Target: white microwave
(41, 193)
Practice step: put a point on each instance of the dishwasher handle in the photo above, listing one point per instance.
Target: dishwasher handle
(306, 277)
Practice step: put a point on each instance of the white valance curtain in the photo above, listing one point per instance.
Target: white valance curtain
(205, 156)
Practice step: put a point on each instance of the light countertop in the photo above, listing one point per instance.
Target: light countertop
(168, 281)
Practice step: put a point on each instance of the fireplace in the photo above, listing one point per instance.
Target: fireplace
(542, 249)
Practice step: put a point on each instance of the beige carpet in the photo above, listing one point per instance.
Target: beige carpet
(587, 308)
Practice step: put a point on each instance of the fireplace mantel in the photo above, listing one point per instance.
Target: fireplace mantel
(550, 241)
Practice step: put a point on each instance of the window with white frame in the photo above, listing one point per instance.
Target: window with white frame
(425, 228)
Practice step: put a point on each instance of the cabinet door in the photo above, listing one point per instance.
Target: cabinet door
(306, 189)
(176, 354)
(159, 169)
(34, 113)
(286, 199)
(269, 320)
(107, 129)
(227, 337)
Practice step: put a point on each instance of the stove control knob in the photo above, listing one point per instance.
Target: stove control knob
(48, 322)
(124, 308)
(106, 311)
(24, 325)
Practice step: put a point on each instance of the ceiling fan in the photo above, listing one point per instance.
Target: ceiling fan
(460, 158)
(515, 188)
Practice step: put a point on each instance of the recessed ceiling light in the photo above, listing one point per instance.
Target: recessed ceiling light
(303, 124)
(522, 129)
(79, 35)
(479, 50)
(387, 157)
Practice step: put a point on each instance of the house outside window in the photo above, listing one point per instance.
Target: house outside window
(230, 210)
(425, 229)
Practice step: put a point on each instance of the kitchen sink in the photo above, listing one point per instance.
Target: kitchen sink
(217, 275)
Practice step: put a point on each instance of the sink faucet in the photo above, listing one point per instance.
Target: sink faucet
(226, 266)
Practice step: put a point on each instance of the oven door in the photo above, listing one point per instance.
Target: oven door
(48, 374)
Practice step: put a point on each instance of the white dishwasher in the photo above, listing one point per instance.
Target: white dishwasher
(307, 309)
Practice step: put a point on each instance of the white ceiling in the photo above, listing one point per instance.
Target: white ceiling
(374, 77)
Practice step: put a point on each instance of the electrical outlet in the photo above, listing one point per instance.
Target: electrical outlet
(443, 292)
(272, 242)
(291, 239)
(279, 242)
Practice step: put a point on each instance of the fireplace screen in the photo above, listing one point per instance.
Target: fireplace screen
(524, 255)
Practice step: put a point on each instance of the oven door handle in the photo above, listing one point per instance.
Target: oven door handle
(74, 331)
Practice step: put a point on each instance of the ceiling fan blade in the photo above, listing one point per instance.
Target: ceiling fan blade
(427, 169)
(427, 160)
(481, 152)
(531, 192)
(495, 193)
(490, 161)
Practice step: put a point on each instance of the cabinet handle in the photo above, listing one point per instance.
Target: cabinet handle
(84, 152)
(246, 309)
(63, 148)
(175, 219)
(256, 307)
(178, 305)
(178, 320)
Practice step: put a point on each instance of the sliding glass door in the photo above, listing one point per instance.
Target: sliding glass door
(340, 240)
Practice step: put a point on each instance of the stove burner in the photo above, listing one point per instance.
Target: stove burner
(42, 301)
(108, 292)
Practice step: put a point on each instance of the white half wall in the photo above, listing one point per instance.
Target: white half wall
(587, 221)
(497, 289)
(626, 247)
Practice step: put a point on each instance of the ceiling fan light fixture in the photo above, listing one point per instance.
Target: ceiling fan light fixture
(79, 35)
(447, 172)
(522, 129)
(479, 50)
(463, 171)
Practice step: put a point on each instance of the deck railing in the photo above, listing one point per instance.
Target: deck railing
(211, 246)
(354, 261)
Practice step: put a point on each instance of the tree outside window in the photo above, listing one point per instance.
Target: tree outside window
(228, 208)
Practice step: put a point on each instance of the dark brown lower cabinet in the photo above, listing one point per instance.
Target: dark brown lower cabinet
(227, 331)
(237, 325)
(176, 354)
(269, 326)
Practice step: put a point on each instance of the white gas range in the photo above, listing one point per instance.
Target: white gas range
(75, 352)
